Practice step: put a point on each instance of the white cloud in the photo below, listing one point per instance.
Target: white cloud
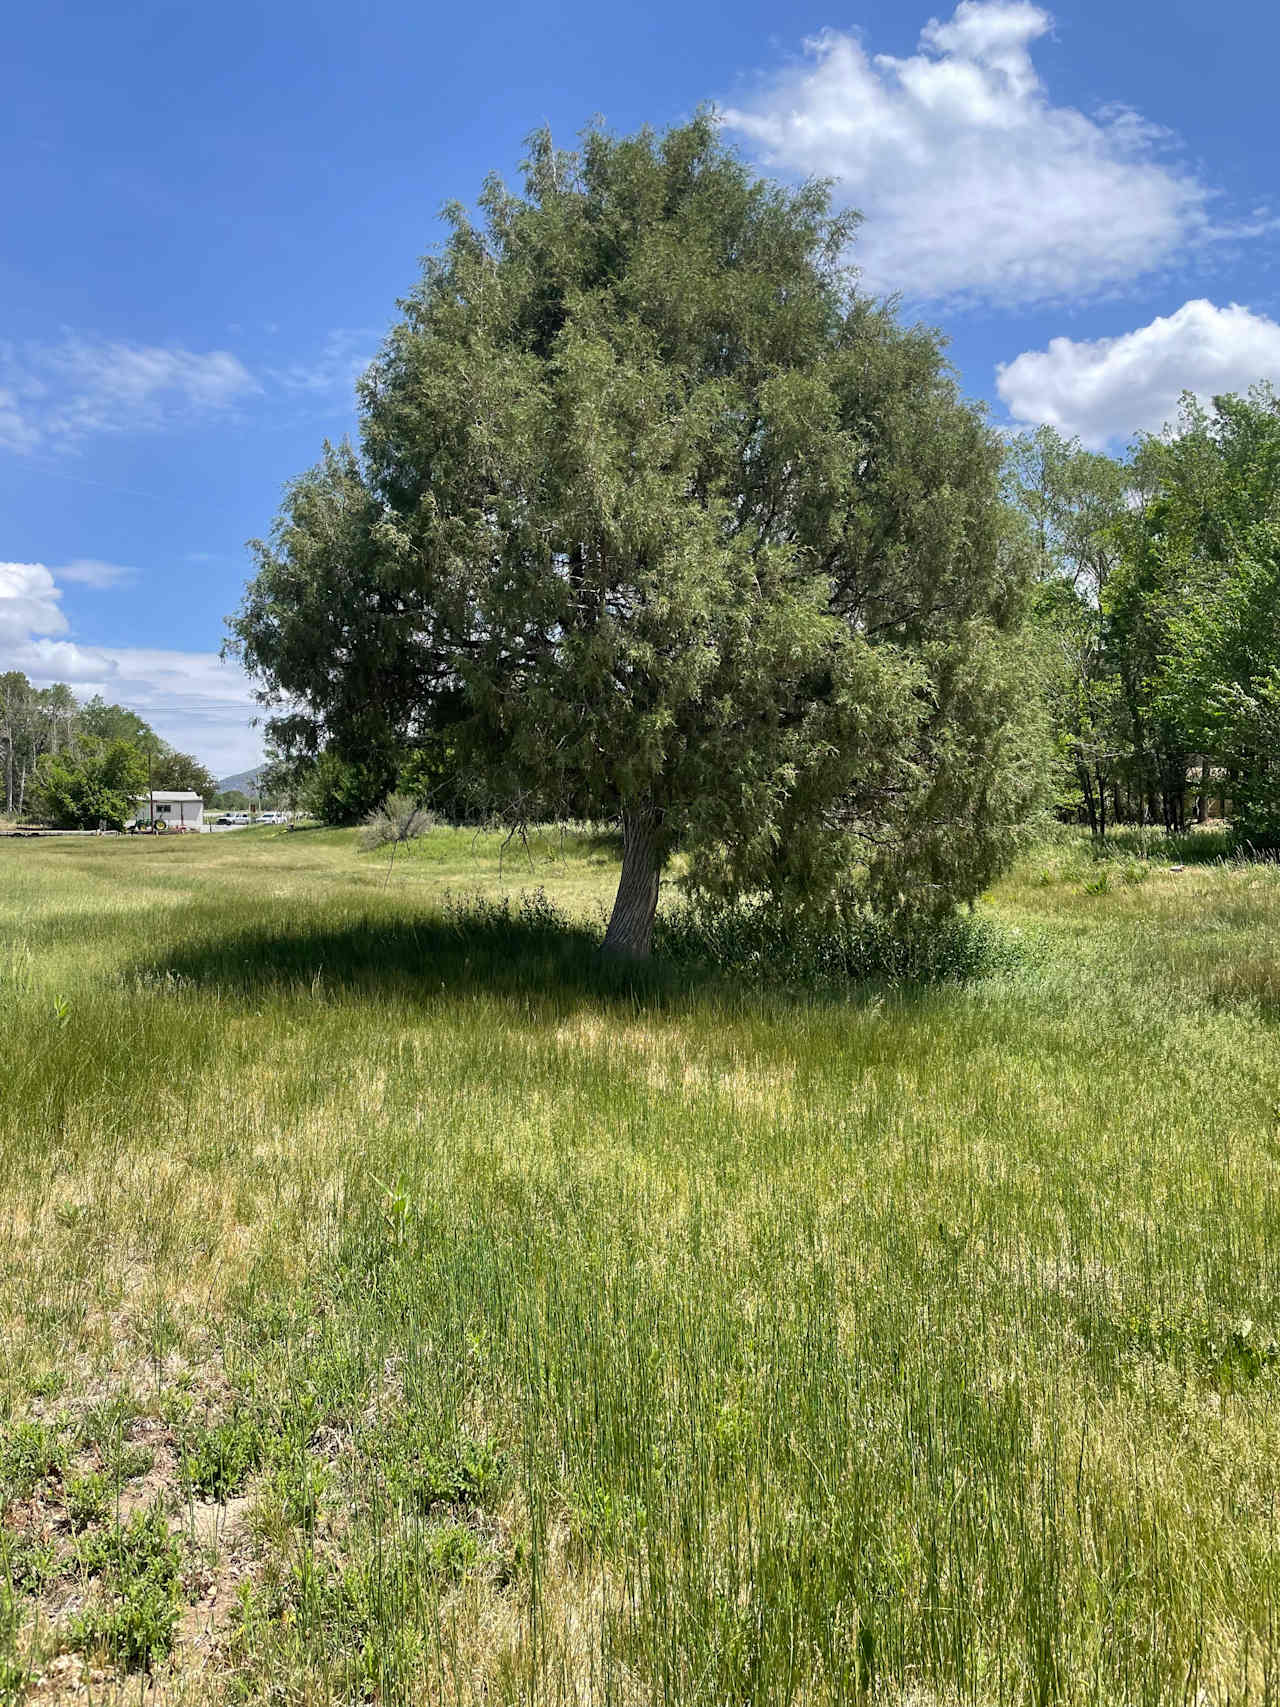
(192, 699)
(16, 433)
(92, 572)
(973, 183)
(59, 394)
(28, 603)
(345, 355)
(1108, 388)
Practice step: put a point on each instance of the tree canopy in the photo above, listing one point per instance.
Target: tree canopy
(654, 518)
(95, 783)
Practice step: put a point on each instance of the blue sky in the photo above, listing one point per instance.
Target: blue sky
(210, 213)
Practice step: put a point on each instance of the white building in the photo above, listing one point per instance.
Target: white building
(171, 809)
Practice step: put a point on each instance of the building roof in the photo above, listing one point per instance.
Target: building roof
(167, 797)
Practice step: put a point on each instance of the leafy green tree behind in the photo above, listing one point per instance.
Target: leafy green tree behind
(20, 732)
(40, 725)
(653, 519)
(33, 721)
(1211, 534)
(96, 783)
(1159, 601)
(171, 769)
(1073, 502)
(116, 723)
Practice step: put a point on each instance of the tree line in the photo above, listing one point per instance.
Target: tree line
(1157, 605)
(77, 765)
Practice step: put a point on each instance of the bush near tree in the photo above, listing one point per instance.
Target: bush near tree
(654, 518)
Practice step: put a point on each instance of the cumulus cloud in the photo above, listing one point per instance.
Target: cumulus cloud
(1103, 389)
(29, 603)
(974, 185)
(59, 394)
(193, 700)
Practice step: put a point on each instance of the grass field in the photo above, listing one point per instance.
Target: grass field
(398, 1305)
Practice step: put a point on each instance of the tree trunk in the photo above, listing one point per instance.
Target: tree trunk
(1202, 799)
(630, 929)
(1086, 789)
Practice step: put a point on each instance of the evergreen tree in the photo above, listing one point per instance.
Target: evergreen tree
(654, 519)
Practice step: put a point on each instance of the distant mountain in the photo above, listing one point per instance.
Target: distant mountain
(244, 781)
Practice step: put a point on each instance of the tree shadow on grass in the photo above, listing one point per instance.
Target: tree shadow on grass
(548, 965)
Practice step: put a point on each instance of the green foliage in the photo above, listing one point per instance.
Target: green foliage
(88, 1499)
(108, 723)
(133, 1618)
(1073, 503)
(30, 1452)
(15, 1673)
(98, 782)
(65, 762)
(337, 790)
(849, 946)
(1222, 677)
(655, 520)
(26, 1566)
(216, 1461)
(168, 768)
(1160, 585)
(182, 772)
(423, 1469)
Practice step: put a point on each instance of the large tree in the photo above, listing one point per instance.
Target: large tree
(98, 782)
(107, 722)
(655, 518)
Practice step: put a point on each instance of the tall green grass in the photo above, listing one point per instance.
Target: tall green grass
(560, 1334)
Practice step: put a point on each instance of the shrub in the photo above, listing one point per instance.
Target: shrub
(398, 819)
(135, 1627)
(759, 940)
